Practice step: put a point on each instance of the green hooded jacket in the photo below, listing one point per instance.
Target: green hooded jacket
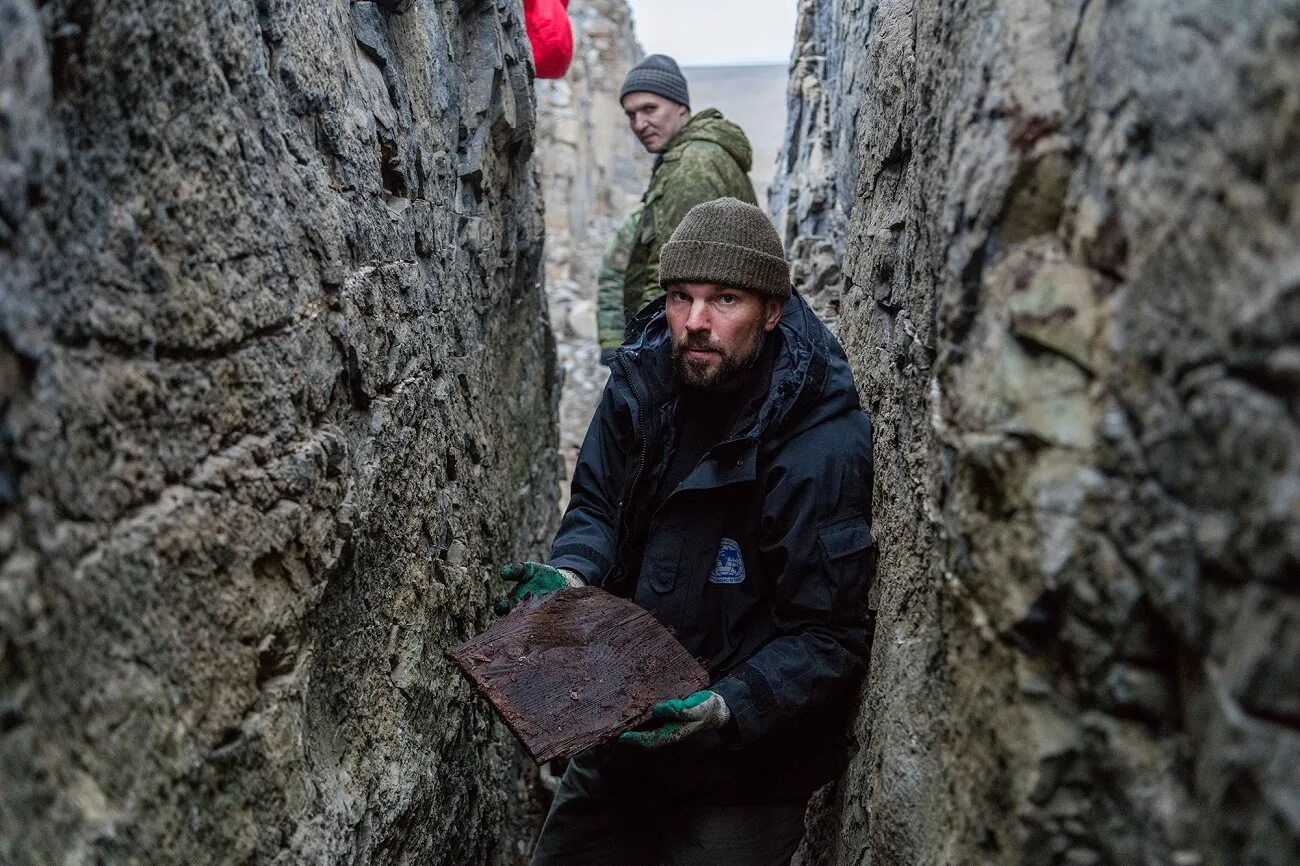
(709, 158)
(610, 317)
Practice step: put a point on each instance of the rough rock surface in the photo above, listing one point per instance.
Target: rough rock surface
(1071, 293)
(813, 187)
(593, 172)
(277, 389)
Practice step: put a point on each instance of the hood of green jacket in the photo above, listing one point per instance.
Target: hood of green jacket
(710, 125)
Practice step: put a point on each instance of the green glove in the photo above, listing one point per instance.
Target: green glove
(535, 580)
(702, 711)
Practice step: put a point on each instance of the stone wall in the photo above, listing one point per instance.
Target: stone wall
(593, 172)
(1072, 298)
(277, 389)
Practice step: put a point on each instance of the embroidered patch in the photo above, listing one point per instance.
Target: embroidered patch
(729, 566)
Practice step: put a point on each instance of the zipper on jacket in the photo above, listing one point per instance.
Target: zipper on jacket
(654, 515)
(642, 410)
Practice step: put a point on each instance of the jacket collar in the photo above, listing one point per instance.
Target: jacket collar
(801, 380)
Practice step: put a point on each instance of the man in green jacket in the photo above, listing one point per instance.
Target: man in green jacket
(701, 157)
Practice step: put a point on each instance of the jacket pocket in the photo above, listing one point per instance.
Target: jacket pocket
(848, 555)
(645, 236)
(663, 559)
(845, 537)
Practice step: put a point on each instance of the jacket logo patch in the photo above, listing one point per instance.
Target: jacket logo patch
(729, 566)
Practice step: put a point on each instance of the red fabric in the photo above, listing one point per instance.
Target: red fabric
(547, 24)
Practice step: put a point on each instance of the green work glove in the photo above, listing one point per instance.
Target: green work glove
(535, 580)
(702, 711)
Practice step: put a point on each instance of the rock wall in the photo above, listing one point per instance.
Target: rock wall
(277, 389)
(812, 191)
(1071, 293)
(593, 172)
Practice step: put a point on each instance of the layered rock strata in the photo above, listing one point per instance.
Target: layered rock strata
(812, 190)
(1071, 294)
(277, 389)
(593, 173)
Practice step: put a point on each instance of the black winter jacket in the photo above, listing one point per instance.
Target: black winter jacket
(760, 561)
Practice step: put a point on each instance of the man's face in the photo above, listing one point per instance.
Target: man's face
(717, 332)
(655, 119)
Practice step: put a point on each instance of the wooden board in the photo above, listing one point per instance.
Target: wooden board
(571, 669)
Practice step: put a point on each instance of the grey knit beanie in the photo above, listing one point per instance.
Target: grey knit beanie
(729, 242)
(659, 74)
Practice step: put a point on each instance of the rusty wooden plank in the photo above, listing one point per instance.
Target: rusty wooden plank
(572, 669)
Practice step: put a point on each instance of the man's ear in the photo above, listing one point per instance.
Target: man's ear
(772, 312)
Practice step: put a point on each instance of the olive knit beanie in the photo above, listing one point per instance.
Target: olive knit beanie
(728, 242)
(657, 74)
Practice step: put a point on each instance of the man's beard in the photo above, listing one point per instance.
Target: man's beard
(731, 369)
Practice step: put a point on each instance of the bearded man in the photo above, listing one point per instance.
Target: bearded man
(724, 485)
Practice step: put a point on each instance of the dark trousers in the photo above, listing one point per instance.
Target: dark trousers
(590, 826)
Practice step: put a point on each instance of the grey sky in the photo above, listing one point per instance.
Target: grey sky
(707, 32)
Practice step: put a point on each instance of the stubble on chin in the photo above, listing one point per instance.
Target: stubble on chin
(696, 374)
(727, 372)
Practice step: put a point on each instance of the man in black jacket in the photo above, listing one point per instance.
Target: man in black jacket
(724, 485)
